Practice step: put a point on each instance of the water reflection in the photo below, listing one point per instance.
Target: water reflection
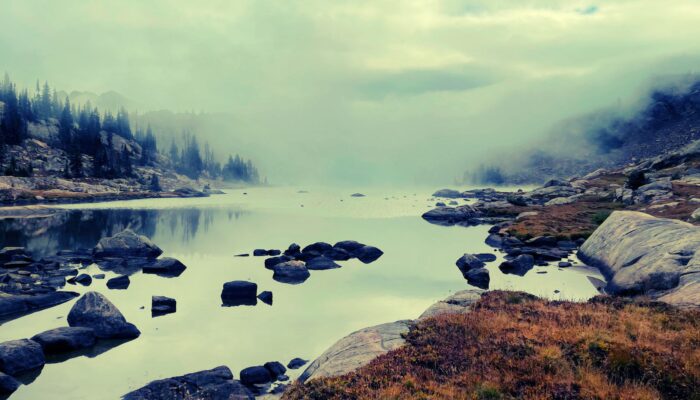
(77, 229)
(417, 269)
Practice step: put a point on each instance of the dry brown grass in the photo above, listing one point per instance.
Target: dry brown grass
(515, 346)
(567, 221)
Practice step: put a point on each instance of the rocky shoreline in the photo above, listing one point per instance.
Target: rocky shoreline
(17, 192)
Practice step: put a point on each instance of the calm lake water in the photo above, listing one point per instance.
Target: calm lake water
(417, 269)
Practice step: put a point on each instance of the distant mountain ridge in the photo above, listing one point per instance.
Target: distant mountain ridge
(108, 101)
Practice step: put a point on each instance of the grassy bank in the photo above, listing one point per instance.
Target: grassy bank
(513, 345)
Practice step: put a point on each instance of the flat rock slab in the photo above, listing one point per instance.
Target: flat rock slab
(64, 339)
(357, 350)
(641, 254)
(15, 306)
(213, 384)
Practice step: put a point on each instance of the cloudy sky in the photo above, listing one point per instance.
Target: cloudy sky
(358, 91)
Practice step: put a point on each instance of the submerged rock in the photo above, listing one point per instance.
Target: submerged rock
(126, 244)
(19, 356)
(213, 384)
(236, 293)
(93, 310)
(64, 339)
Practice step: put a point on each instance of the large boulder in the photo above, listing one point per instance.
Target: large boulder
(357, 350)
(126, 243)
(93, 310)
(641, 254)
(213, 384)
(19, 356)
(65, 338)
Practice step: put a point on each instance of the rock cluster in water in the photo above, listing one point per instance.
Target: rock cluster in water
(293, 265)
(28, 284)
(91, 319)
(219, 383)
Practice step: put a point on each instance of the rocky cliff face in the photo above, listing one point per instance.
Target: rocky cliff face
(642, 254)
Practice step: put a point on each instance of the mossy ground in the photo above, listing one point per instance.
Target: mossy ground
(515, 346)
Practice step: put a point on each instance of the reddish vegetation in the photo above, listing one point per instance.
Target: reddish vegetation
(567, 221)
(515, 346)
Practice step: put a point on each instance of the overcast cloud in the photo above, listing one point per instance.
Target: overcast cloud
(357, 91)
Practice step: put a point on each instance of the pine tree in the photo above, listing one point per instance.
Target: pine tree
(154, 186)
(65, 126)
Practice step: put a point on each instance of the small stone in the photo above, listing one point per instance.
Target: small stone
(296, 363)
(120, 282)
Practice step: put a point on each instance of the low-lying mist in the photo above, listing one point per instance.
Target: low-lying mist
(362, 93)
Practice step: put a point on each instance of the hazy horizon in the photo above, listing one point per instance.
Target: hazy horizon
(361, 92)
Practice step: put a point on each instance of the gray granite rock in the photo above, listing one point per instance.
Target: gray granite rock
(126, 243)
(93, 310)
(357, 350)
(641, 254)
